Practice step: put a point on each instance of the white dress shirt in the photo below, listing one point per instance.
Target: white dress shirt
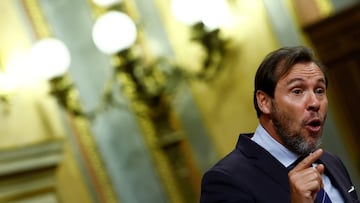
(286, 157)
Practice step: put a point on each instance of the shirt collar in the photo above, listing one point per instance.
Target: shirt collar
(280, 152)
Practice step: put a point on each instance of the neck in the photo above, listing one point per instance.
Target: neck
(268, 125)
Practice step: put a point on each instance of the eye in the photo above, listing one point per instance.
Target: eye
(319, 91)
(297, 91)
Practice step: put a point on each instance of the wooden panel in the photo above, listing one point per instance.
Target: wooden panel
(337, 37)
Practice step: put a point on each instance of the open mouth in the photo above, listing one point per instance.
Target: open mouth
(314, 125)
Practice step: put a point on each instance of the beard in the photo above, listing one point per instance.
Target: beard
(292, 137)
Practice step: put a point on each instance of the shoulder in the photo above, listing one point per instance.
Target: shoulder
(225, 181)
(237, 166)
(233, 162)
(242, 159)
(239, 159)
(329, 157)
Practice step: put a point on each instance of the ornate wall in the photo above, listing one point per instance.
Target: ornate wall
(121, 155)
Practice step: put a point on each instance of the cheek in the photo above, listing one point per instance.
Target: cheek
(288, 112)
(292, 114)
(325, 103)
(290, 107)
(324, 107)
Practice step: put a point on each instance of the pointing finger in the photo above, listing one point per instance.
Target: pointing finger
(310, 159)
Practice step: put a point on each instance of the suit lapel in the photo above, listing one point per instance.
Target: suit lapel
(264, 161)
(337, 177)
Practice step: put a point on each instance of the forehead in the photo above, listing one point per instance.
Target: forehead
(303, 71)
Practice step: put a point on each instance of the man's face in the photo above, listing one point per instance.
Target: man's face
(299, 108)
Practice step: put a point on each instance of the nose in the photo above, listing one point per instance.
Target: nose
(313, 103)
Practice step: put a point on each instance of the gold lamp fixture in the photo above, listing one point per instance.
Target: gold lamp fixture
(151, 79)
(50, 59)
(115, 34)
(205, 30)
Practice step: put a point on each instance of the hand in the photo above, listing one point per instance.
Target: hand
(305, 181)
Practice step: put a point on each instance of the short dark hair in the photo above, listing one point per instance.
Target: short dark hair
(277, 64)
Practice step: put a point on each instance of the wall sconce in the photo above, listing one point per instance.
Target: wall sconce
(114, 33)
(50, 60)
(214, 47)
(46, 59)
(149, 86)
(205, 18)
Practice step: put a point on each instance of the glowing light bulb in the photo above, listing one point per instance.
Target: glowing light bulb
(113, 32)
(49, 58)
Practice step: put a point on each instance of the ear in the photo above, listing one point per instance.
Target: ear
(264, 102)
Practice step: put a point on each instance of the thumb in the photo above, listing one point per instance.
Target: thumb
(320, 168)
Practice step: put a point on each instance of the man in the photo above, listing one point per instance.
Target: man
(291, 105)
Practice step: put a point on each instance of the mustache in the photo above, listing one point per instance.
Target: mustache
(315, 117)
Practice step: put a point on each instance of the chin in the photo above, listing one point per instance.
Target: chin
(314, 144)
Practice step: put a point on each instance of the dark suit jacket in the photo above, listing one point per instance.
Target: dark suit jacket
(251, 174)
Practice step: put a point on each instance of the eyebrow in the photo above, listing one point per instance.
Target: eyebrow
(320, 80)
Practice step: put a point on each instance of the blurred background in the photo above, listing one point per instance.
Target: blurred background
(133, 100)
